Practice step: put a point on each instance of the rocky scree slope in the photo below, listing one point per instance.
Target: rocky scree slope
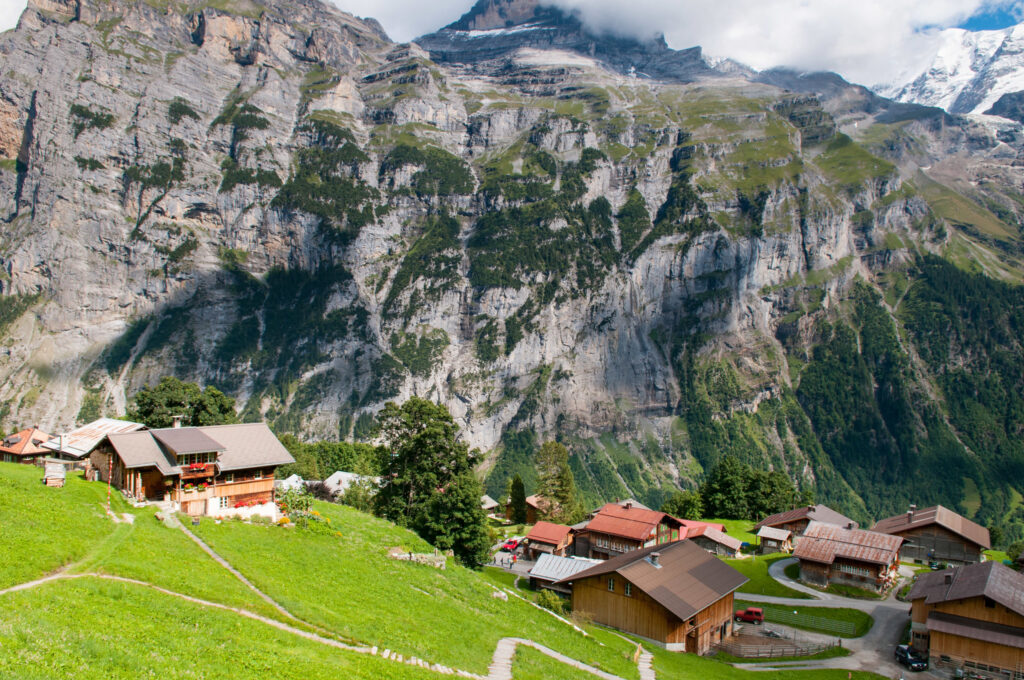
(278, 200)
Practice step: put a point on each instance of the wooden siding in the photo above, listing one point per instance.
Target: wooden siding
(973, 608)
(641, 615)
(934, 542)
(961, 649)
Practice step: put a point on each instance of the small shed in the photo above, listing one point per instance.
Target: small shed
(489, 505)
(290, 483)
(551, 568)
(715, 541)
(775, 540)
(549, 538)
(54, 473)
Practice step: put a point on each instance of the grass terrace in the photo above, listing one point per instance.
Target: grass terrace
(761, 583)
(804, 618)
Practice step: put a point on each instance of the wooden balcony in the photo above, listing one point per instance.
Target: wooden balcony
(207, 470)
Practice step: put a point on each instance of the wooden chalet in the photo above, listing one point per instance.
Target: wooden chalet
(714, 540)
(937, 534)
(25, 446)
(797, 519)
(676, 595)
(204, 470)
(549, 538)
(855, 557)
(971, 617)
(536, 505)
(616, 529)
(775, 540)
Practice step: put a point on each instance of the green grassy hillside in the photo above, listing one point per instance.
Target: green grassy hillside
(186, 616)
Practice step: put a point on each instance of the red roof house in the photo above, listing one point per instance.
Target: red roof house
(617, 529)
(24, 446)
(546, 537)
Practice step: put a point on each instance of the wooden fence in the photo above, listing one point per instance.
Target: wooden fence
(772, 650)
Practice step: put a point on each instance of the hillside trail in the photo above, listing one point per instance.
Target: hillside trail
(499, 669)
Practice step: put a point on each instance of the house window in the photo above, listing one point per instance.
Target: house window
(229, 477)
(611, 585)
(990, 603)
(223, 502)
(629, 589)
(258, 474)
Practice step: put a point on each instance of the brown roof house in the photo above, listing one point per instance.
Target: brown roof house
(775, 540)
(937, 534)
(855, 557)
(535, 507)
(25, 446)
(675, 595)
(546, 537)
(714, 540)
(218, 470)
(970, 617)
(797, 519)
(617, 529)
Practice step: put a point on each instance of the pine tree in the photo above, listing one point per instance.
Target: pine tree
(557, 485)
(517, 499)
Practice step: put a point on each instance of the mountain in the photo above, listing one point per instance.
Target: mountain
(274, 198)
(495, 29)
(969, 73)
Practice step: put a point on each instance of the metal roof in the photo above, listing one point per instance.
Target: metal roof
(773, 534)
(340, 481)
(989, 579)
(733, 544)
(944, 517)
(987, 631)
(80, 442)
(554, 568)
(825, 542)
(28, 442)
(698, 528)
(632, 523)
(817, 513)
(687, 579)
(182, 441)
(140, 450)
(488, 503)
(547, 532)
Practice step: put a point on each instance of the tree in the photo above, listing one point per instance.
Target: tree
(517, 499)
(425, 482)
(725, 490)
(769, 493)
(157, 406)
(455, 521)
(684, 505)
(557, 486)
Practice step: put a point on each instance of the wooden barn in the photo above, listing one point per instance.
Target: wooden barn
(797, 519)
(971, 617)
(549, 538)
(854, 557)
(775, 540)
(205, 470)
(937, 534)
(714, 541)
(25, 446)
(675, 595)
(616, 529)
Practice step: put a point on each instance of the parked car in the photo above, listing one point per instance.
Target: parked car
(754, 615)
(909, 658)
(511, 544)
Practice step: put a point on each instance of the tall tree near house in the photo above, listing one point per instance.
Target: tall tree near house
(425, 477)
(517, 499)
(157, 406)
(684, 505)
(725, 490)
(557, 486)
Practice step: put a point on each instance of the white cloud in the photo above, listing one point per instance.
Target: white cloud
(407, 19)
(10, 10)
(868, 41)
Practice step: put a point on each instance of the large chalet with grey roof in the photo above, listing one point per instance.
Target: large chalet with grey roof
(204, 470)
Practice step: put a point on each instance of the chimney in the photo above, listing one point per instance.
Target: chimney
(810, 508)
(910, 513)
(654, 557)
(629, 506)
(851, 526)
(177, 421)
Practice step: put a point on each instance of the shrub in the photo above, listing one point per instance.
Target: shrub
(84, 118)
(551, 600)
(179, 109)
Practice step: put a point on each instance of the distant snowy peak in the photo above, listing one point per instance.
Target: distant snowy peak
(968, 73)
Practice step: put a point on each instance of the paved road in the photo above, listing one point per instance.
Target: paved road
(872, 652)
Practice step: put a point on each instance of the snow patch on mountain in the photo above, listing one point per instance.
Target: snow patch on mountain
(969, 72)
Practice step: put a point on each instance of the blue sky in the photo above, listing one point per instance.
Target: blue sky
(986, 21)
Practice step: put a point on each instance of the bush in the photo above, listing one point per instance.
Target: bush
(551, 600)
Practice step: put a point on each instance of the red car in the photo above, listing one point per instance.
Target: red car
(754, 615)
(511, 544)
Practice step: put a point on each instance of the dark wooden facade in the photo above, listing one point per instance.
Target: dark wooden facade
(613, 601)
(937, 543)
(603, 546)
(844, 571)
